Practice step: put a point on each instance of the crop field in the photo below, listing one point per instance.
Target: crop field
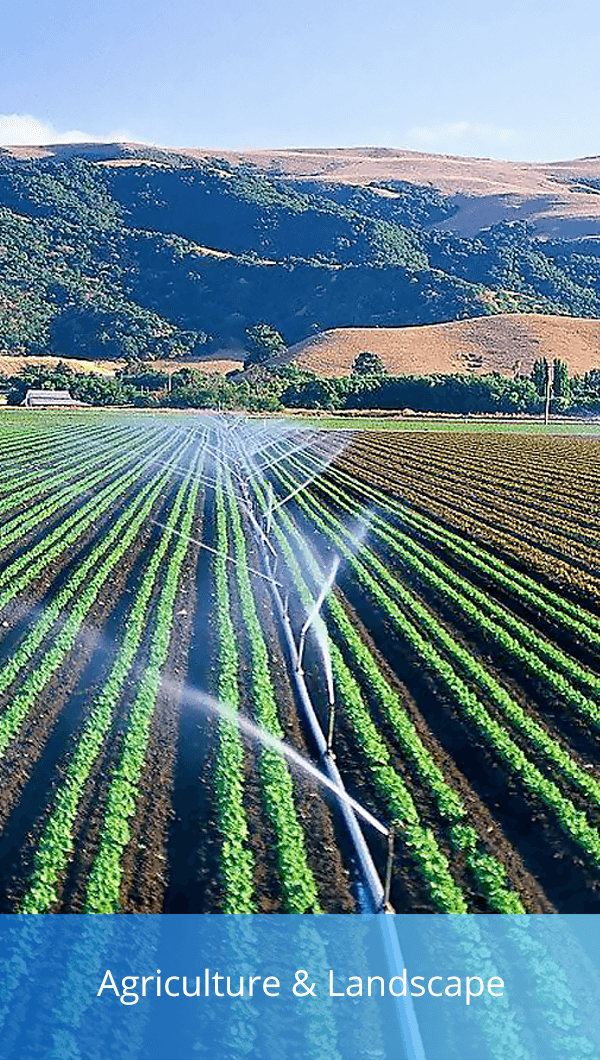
(178, 592)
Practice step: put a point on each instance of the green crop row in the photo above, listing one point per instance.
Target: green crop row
(552, 750)
(16, 528)
(55, 607)
(64, 536)
(297, 881)
(36, 455)
(112, 547)
(425, 643)
(573, 617)
(489, 873)
(237, 862)
(104, 884)
(544, 661)
(34, 483)
(39, 475)
(56, 843)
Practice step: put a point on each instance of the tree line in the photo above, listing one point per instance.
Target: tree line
(265, 387)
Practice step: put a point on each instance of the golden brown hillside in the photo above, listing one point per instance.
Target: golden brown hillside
(10, 365)
(506, 343)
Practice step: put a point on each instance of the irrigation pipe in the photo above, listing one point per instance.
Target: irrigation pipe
(409, 1027)
(373, 884)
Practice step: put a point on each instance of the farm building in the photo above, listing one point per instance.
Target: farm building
(43, 399)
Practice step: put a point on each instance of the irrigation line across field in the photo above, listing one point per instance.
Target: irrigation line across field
(385, 778)
(544, 660)
(406, 1015)
(428, 638)
(373, 883)
(490, 874)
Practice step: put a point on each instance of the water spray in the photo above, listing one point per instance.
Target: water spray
(376, 895)
(315, 611)
(215, 552)
(379, 896)
(296, 491)
(282, 456)
(270, 509)
(193, 697)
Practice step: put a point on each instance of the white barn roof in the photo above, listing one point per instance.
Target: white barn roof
(46, 398)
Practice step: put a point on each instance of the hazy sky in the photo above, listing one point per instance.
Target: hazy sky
(515, 79)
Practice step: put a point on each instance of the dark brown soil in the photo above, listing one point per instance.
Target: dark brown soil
(520, 816)
(37, 753)
(193, 842)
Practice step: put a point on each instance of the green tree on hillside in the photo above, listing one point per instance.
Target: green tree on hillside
(264, 342)
(368, 364)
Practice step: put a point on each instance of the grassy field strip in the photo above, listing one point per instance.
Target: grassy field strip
(425, 642)
(17, 576)
(15, 529)
(56, 842)
(573, 617)
(22, 655)
(104, 884)
(296, 879)
(237, 860)
(540, 657)
(76, 602)
(489, 874)
(427, 424)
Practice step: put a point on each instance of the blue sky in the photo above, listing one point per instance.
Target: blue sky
(515, 80)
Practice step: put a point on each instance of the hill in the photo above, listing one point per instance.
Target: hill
(558, 198)
(504, 343)
(109, 251)
(12, 364)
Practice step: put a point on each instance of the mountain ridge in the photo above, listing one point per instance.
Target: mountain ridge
(110, 251)
(563, 182)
